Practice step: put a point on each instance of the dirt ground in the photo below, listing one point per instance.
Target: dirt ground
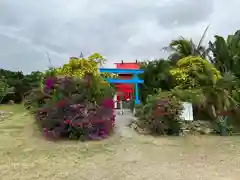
(25, 155)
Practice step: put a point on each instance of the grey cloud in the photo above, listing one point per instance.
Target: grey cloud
(185, 12)
(118, 29)
(19, 60)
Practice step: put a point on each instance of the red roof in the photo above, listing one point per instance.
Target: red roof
(128, 65)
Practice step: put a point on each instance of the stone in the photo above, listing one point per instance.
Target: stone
(5, 115)
(197, 127)
(207, 130)
(11, 102)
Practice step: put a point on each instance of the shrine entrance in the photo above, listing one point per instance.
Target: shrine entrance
(126, 86)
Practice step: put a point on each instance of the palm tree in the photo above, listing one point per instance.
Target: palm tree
(217, 95)
(182, 47)
(226, 53)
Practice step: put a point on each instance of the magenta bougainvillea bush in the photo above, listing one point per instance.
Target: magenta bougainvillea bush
(161, 115)
(68, 107)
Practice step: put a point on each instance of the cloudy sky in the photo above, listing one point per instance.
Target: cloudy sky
(119, 29)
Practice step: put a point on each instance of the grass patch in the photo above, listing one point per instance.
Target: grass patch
(25, 152)
(15, 108)
(26, 155)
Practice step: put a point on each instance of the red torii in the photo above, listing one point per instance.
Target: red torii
(125, 90)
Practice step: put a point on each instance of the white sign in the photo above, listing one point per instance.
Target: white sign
(187, 113)
(115, 101)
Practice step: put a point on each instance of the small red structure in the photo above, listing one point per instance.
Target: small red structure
(125, 90)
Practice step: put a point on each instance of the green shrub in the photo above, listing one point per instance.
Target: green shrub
(160, 114)
(4, 89)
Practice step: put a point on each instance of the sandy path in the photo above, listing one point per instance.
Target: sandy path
(122, 122)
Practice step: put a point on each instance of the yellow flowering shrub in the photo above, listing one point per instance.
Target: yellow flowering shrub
(79, 67)
(188, 67)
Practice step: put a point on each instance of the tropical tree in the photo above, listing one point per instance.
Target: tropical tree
(182, 47)
(4, 89)
(226, 53)
(13, 79)
(156, 76)
(31, 81)
(202, 84)
(215, 98)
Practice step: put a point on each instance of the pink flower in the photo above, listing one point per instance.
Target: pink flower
(108, 103)
(49, 82)
(45, 132)
(61, 103)
(67, 121)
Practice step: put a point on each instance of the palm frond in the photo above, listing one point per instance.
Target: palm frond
(203, 36)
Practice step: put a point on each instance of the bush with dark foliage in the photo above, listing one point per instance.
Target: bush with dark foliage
(74, 108)
(160, 115)
(20, 83)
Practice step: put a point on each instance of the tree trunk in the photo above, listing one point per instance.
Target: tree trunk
(213, 112)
